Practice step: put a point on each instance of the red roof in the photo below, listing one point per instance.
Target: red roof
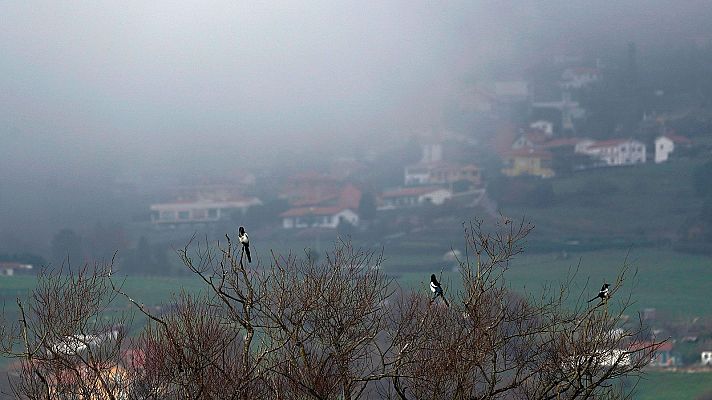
(317, 195)
(609, 143)
(350, 197)
(411, 191)
(303, 211)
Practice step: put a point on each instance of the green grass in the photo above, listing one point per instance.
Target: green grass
(158, 290)
(657, 385)
(659, 273)
(149, 290)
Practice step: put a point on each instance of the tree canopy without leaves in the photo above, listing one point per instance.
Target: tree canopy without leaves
(336, 327)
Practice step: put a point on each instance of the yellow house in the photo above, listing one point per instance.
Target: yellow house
(528, 161)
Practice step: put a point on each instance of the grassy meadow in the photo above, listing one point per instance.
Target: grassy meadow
(654, 276)
(659, 385)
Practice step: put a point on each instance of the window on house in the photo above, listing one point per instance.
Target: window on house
(183, 214)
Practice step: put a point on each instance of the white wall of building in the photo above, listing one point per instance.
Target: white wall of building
(437, 197)
(320, 221)
(663, 148)
(625, 153)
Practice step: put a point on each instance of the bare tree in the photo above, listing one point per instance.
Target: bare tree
(493, 343)
(68, 337)
(330, 316)
(337, 327)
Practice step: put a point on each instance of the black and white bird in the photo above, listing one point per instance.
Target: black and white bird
(603, 294)
(437, 289)
(245, 240)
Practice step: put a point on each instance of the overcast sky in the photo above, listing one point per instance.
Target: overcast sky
(107, 79)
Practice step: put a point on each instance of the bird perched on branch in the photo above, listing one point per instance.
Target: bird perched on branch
(603, 294)
(437, 289)
(245, 240)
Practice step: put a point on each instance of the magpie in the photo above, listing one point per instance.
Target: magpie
(245, 243)
(602, 294)
(437, 289)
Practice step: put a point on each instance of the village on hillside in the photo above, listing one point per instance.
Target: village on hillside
(523, 134)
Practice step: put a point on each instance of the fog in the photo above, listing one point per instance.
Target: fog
(92, 93)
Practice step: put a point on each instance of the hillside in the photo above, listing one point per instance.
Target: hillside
(616, 206)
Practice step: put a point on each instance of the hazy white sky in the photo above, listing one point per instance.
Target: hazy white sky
(92, 81)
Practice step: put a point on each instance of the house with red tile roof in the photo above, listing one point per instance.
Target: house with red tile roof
(309, 188)
(528, 162)
(326, 210)
(441, 173)
(660, 354)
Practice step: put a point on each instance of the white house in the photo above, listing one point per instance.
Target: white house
(8, 268)
(414, 196)
(617, 152)
(200, 211)
(664, 145)
(600, 359)
(706, 357)
(318, 217)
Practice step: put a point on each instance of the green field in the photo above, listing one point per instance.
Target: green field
(659, 273)
(657, 385)
(149, 290)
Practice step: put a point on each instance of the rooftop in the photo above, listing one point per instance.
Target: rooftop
(320, 211)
